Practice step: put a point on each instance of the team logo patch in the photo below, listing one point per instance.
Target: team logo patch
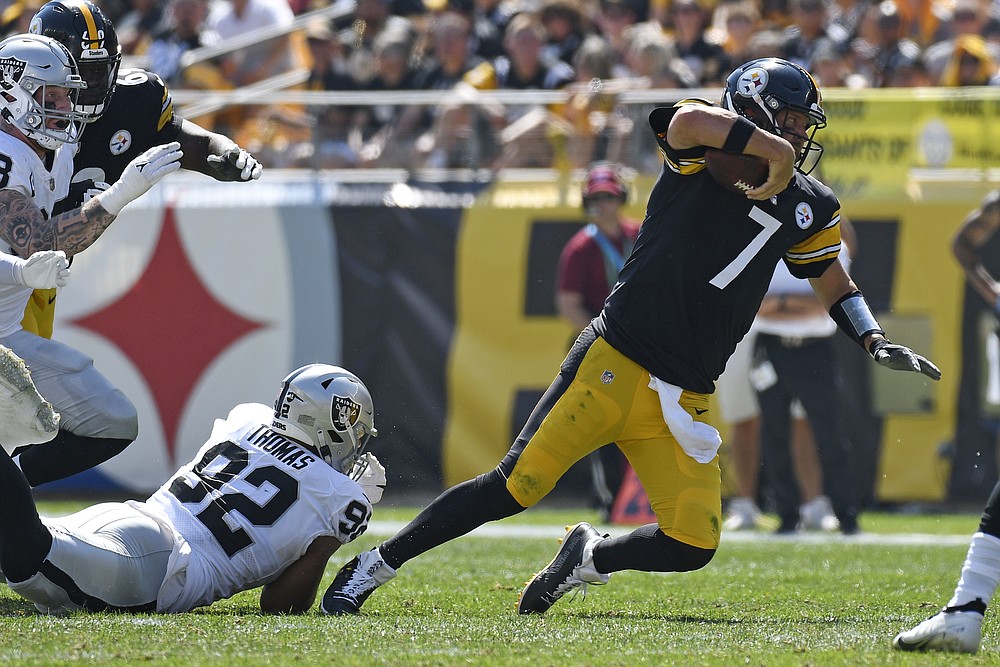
(11, 69)
(120, 142)
(803, 215)
(752, 82)
(345, 412)
(607, 377)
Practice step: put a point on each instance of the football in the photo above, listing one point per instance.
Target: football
(735, 171)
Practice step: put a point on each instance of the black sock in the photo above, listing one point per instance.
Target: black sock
(647, 549)
(459, 510)
(20, 528)
(66, 455)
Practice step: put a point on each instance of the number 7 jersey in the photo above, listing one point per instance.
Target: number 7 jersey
(247, 507)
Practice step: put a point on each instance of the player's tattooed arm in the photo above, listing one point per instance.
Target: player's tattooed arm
(26, 229)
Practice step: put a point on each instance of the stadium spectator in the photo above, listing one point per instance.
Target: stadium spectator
(185, 30)
(232, 18)
(265, 502)
(706, 59)
(847, 15)
(971, 63)
(640, 375)
(371, 18)
(740, 21)
(969, 17)
(137, 27)
(810, 31)
(564, 29)
(958, 627)
(892, 50)
(387, 139)
(924, 21)
(613, 20)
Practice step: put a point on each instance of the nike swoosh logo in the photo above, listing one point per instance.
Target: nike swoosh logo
(52, 300)
(700, 412)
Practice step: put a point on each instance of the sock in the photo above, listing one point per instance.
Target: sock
(67, 454)
(980, 573)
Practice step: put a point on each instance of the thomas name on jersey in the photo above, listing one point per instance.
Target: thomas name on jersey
(286, 451)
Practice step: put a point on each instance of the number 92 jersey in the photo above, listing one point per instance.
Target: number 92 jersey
(140, 116)
(247, 507)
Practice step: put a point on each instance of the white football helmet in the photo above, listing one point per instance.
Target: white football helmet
(29, 64)
(329, 409)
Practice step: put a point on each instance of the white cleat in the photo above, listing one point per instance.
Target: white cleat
(954, 632)
(25, 417)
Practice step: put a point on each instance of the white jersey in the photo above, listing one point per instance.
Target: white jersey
(21, 169)
(246, 508)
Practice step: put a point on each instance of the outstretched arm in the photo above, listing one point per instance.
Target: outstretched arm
(294, 591)
(976, 230)
(852, 314)
(216, 155)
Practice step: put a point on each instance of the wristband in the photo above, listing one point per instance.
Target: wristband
(854, 317)
(739, 135)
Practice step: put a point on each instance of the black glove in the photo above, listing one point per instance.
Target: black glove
(235, 165)
(902, 358)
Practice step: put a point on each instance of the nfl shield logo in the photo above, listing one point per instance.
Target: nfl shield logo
(607, 377)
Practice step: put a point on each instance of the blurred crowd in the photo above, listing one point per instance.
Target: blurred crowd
(591, 50)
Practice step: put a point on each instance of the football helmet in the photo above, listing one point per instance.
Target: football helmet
(329, 409)
(762, 88)
(29, 66)
(90, 36)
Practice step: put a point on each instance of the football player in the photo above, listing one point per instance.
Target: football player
(641, 373)
(958, 628)
(127, 113)
(38, 125)
(268, 498)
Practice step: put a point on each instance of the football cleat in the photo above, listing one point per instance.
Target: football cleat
(25, 417)
(355, 581)
(954, 632)
(572, 568)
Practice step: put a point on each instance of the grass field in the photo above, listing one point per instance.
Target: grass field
(762, 601)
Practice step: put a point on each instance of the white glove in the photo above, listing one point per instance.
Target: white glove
(372, 479)
(140, 175)
(45, 269)
(236, 165)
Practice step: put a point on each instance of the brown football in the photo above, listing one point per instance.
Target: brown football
(735, 171)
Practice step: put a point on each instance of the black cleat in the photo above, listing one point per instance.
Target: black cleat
(560, 576)
(355, 581)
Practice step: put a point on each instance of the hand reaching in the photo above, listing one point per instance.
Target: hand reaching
(902, 358)
(236, 165)
(140, 175)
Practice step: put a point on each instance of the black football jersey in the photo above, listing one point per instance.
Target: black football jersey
(139, 116)
(703, 261)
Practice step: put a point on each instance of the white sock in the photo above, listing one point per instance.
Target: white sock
(586, 570)
(980, 573)
(384, 572)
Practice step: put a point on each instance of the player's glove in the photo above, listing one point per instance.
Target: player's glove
(370, 474)
(140, 175)
(45, 269)
(902, 358)
(235, 165)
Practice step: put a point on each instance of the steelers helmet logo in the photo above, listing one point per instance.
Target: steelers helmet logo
(752, 82)
(803, 215)
(120, 142)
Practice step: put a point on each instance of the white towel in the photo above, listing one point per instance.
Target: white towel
(699, 440)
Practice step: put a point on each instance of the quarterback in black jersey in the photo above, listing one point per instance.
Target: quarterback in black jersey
(129, 111)
(640, 375)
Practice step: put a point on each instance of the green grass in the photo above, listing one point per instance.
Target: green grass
(765, 602)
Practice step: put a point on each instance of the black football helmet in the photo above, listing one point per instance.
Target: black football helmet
(90, 36)
(762, 88)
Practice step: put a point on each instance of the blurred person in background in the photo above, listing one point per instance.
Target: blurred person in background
(706, 59)
(969, 18)
(740, 21)
(588, 269)
(892, 49)
(232, 18)
(388, 133)
(810, 31)
(971, 64)
(137, 26)
(957, 628)
(563, 23)
(613, 20)
(185, 30)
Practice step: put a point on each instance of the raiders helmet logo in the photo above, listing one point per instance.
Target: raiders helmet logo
(11, 69)
(345, 412)
(752, 82)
